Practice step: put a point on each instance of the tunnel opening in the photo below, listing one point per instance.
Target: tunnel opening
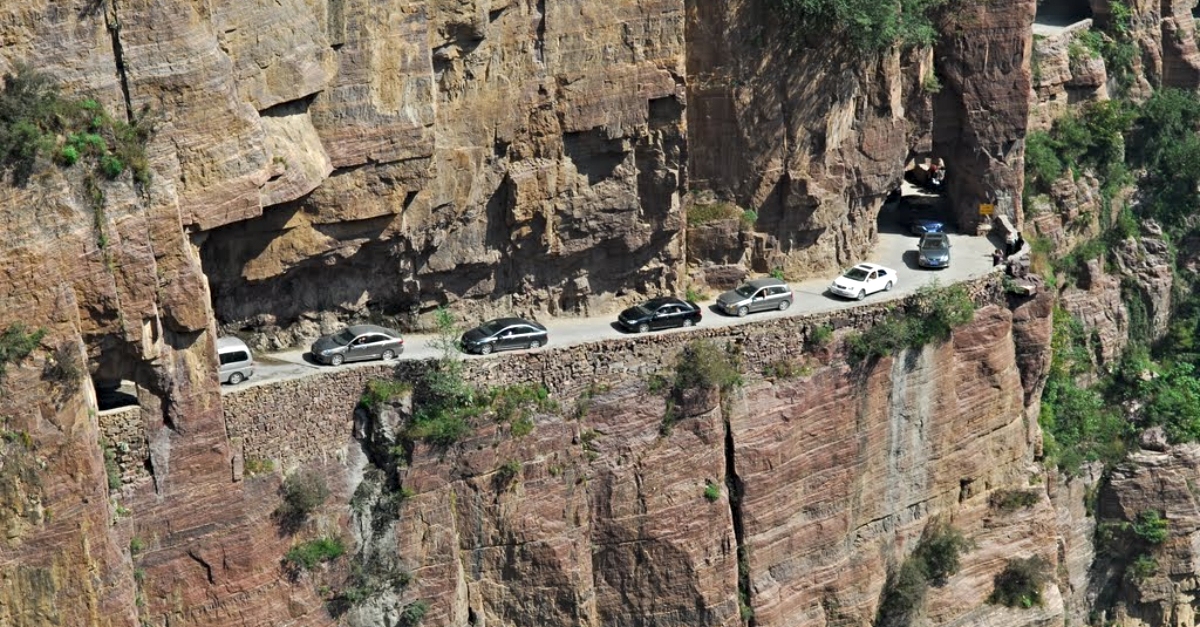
(1062, 12)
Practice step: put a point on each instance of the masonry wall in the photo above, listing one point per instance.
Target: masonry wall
(310, 420)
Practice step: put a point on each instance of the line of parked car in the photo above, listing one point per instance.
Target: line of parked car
(367, 341)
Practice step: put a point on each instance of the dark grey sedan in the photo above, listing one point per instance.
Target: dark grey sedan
(359, 342)
(933, 251)
(504, 334)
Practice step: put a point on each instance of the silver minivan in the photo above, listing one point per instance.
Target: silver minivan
(236, 362)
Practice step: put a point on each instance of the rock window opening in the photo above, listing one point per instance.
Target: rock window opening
(1062, 12)
(114, 393)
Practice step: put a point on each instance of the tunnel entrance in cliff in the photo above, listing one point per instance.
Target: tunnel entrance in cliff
(114, 377)
(1062, 13)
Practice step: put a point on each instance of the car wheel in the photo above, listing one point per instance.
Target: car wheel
(236, 378)
(486, 349)
(688, 322)
(534, 344)
(783, 305)
(742, 311)
(337, 360)
(389, 355)
(862, 294)
(643, 328)
(888, 287)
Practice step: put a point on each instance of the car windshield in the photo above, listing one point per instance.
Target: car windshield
(746, 290)
(491, 327)
(933, 243)
(856, 274)
(643, 310)
(344, 338)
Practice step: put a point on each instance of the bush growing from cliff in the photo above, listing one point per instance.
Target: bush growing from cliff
(16, 343)
(933, 561)
(35, 119)
(934, 314)
(381, 391)
(303, 492)
(307, 555)
(1020, 583)
(704, 365)
(1078, 423)
(869, 25)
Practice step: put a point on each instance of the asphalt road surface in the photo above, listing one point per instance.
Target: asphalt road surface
(896, 248)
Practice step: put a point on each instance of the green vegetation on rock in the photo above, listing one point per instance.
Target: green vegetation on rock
(935, 312)
(307, 555)
(869, 25)
(16, 343)
(1020, 583)
(932, 562)
(36, 121)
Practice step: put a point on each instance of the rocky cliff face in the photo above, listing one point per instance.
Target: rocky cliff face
(821, 484)
(319, 160)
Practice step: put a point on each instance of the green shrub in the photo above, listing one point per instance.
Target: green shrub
(16, 343)
(749, 219)
(820, 335)
(703, 365)
(938, 551)
(934, 560)
(136, 545)
(68, 155)
(703, 214)
(712, 491)
(111, 166)
(33, 115)
(784, 369)
(1151, 527)
(381, 391)
(257, 466)
(1020, 583)
(868, 25)
(1173, 401)
(777, 273)
(1141, 568)
(111, 470)
(413, 614)
(521, 426)
(308, 554)
(903, 594)
(695, 296)
(931, 83)
(1012, 500)
(656, 383)
(303, 493)
(934, 315)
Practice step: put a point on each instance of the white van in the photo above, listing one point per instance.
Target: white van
(236, 362)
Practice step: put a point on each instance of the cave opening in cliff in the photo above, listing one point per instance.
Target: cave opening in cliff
(114, 393)
(1062, 12)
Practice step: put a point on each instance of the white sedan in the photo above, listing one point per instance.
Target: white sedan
(863, 279)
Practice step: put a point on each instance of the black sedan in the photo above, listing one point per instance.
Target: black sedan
(504, 334)
(659, 313)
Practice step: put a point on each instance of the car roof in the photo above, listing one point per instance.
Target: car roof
(231, 343)
(508, 322)
(870, 266)
(359, 329)
(765, 281)
(655, 303)
(929, 236)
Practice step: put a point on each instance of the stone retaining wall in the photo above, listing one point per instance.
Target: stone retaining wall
(311, 419)
(125, 433)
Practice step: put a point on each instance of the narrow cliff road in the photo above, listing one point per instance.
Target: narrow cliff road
(970, 257)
